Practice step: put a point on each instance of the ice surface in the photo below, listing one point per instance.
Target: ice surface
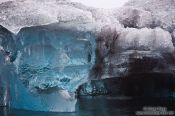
(7, 55)
(53, 60)
(16, 14)
(21, 13)
(134, 17)
(3, 82)
(155, 12)
(138, 44)
(117, 49)
(148, 39)
(48, 100)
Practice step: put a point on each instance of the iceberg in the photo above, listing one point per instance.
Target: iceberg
(53, 60)
(59, 45)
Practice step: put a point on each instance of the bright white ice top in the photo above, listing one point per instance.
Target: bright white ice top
(102, 3)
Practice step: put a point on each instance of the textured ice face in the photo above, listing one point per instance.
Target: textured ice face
(149, 13)
(7, 43)
(3, 82)
(139, 44)
(145, 39)
(22, 13)
(54, 57)
(52, 61)
(50, 100)
(7, 55)
(16, 14)
(116, 50)
(135, 17)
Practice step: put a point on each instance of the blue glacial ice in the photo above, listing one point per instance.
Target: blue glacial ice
(7, 54)
(49, 64)
(3, 81)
